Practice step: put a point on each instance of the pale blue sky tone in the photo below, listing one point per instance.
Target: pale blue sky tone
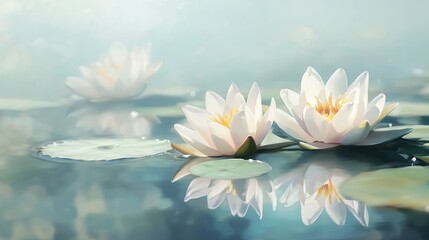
(209, 44)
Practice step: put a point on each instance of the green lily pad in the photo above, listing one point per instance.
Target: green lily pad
(104, 149)
(420, 132)
(406, 187)
(410, 109)
(229, 169)
(416, 149)
(17, 104)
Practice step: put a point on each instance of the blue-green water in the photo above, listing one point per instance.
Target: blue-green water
(136, 199)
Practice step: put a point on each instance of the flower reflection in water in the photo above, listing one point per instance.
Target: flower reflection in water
(241, 193)
(315, 186)
(120, 122)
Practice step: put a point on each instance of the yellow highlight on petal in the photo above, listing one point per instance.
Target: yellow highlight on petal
(106, 76)
(231, 190)
(329, 108)
(328, 190)
(226, 118)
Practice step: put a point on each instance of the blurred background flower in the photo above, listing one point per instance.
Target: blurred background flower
(121, 74)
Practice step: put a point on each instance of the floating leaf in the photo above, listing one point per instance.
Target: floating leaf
(420, 132)
(228, 169)
(104, 149)
(273, 142)
(17, 104)
(410, 109)
(184, 170)
(246, 149)
(276, 146)
(418, 150)
(398, 187)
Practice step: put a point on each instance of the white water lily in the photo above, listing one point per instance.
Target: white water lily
(121, 74)
(226, 124)
(240, 193)
(316, 188)
(325, 116)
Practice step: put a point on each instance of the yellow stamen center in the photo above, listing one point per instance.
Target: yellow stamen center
(329, 108)
(328, 190)
(231, 190)
(226, 118)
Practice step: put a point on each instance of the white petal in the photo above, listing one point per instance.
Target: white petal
(192, 138)
(216, 200)
(314, 178)
(343, 120)
(311, 209)
(382, 135)
(291, 195)
(317, 125)
(254, 101)
(218, 187)
(290, 98)
(361, 82)
(215, 104)
(338, 176)
(337, 84)
(288, 124)
(198, 187)
(234, 98)
(385, 112)
(240, 207)
(198, 119)
(295, 104)
(252, 185)
(238, 128)
(374, 109)
(88, 74)
(359, 106)
(336, 210)
(83, 88)
(313, 86)
(222, 140)
(357, 134)
(273, 196)
(359, 211)
(265, 123)
(257, 202)
(234, 204)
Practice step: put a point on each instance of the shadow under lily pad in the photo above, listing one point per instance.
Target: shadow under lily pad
(406, 187)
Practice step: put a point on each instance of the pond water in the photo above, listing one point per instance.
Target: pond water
(140, 188)
(50, 198)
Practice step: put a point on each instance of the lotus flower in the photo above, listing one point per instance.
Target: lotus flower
(325, 116)
(226, 126)
(315, 186)
(119, 75)
(240, 193)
